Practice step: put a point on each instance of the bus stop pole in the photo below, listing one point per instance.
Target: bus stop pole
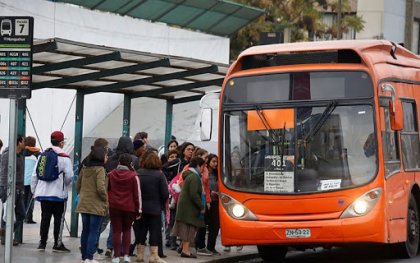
(11, 179)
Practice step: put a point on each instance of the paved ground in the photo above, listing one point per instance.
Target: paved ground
(27, 252)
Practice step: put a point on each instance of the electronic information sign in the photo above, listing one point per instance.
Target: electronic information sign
(16, 38)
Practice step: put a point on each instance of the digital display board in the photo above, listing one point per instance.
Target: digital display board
(16, 39)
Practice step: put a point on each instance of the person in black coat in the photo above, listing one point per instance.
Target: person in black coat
(154, 194)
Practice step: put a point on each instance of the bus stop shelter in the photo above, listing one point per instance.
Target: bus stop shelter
(88, 69)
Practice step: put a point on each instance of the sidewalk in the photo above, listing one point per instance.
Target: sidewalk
(27, 252)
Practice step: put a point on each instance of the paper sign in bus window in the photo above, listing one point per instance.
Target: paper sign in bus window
(278, 182)
(329, 184)
(276, 177)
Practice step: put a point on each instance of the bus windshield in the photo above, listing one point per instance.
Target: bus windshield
(315, 146)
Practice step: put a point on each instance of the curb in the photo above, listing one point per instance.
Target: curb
(234, 258)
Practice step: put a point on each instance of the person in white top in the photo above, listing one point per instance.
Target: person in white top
(53, 195)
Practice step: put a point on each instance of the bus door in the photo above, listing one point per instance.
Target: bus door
(394, 180)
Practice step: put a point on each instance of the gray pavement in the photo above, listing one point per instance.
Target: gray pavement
(28, 253)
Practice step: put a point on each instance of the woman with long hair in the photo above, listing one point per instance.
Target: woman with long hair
(93, 204)
(213, 213)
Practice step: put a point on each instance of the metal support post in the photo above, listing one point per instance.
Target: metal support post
(21, 129)
(78, 136)
(11, 182)
(168, 122)
(126, 115)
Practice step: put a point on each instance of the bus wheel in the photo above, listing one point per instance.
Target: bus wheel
(410, 247)
(272, 253)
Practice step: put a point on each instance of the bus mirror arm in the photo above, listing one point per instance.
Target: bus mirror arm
(395, 109)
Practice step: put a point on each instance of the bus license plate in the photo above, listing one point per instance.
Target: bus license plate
(298, 233)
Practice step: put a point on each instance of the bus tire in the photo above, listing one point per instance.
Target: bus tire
(272, 253)
(410, 247)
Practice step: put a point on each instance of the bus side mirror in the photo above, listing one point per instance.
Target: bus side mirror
(395, 109)
(396, 115)
(206, 124)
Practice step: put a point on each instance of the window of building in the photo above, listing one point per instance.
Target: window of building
(415, 45)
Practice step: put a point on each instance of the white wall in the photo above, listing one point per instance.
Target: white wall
(49, 107)
(383, 19)
(394, 20)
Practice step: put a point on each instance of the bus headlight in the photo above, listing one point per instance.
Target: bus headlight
(360, 207)
(236, 209)
(363, 205)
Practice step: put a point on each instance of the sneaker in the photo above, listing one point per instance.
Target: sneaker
(99, 251)
(126, 259)
(61, 248)
(215, 252)
(239, 248)
(204, 252)
(97, 256)
(41, 246)
(226, 249)
(108, 253)
(115, 260)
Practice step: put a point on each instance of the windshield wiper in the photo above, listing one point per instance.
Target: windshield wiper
(275, 137)
(266, 124)
(324, 116)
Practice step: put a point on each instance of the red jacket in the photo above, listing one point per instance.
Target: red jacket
(124, 190)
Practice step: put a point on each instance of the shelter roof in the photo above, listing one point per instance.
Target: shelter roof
(217, 17)
(64, 64)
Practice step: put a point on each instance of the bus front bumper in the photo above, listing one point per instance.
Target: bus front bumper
(365, 229)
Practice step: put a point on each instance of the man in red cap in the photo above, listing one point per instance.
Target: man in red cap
(53, 194)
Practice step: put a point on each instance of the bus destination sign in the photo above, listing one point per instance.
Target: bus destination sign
(16, 39)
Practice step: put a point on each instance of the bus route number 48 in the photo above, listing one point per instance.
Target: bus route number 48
(298, 233)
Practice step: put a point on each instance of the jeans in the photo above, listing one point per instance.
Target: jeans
(90, 232)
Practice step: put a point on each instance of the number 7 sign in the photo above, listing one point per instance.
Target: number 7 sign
(21, 27)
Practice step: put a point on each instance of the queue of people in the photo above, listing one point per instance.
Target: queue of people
(131, 187)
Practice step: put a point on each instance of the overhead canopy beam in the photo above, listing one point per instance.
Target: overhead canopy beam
(77, 62)
(145, 81)
(187, 99)
(186, 87)
(44, 47)
(100, 74)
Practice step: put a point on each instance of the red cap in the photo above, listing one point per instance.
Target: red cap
(58, 136)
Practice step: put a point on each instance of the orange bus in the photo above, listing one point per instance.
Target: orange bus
(319, 146)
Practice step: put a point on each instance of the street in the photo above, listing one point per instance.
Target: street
(361, 253)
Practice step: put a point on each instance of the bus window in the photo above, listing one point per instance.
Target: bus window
(410, 137)
(389, 144)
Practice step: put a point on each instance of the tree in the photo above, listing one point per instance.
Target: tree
(302, 18)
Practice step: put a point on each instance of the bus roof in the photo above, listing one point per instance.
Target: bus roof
(370, 51)
(357, 45)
